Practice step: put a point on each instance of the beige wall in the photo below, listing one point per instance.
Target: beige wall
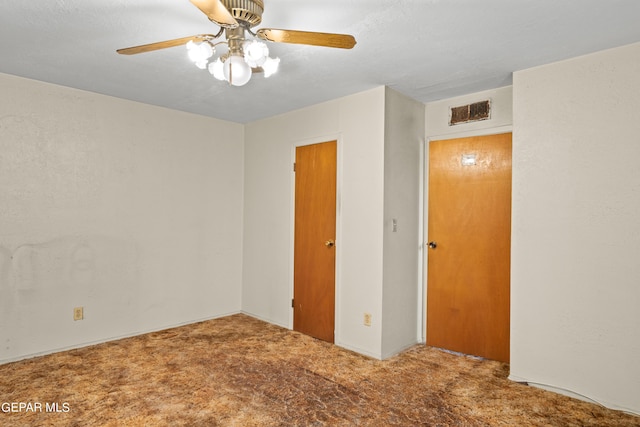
(140, 215)
(576, 229)
(131, 211)
(379, 135)
(357, 122)
(402, 268)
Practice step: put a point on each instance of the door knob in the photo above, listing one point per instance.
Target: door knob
(329, 243)
(432, 245)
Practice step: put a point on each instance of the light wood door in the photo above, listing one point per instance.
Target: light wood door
(314, 240)
(468, 278)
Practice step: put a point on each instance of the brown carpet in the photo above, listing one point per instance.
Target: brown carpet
(239, 371)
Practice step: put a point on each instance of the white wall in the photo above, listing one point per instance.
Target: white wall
(131, 211)
(357, 122)
(404, 136)
(576, 230)
(136, 213)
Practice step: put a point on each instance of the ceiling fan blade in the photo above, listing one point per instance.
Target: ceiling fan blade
(343, 41)
(163, 45)
(216, 12)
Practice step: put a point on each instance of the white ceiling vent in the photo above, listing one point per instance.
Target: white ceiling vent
(470, 113)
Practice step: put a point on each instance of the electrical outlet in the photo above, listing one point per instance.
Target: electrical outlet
(367, 319)
(78, 313)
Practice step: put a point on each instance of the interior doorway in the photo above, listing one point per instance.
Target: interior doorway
(469, 244)
(314, 240)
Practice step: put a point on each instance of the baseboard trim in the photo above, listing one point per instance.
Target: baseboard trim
(265, 319)
(573, 394)
(115, 338)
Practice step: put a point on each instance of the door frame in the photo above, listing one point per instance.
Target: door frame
(292, 209)
(424, 214)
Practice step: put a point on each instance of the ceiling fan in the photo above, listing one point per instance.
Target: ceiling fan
(244, 55)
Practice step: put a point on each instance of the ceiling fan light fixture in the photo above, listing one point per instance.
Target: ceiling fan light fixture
(199, 53)
(243, 56)
(270, 66)
(216, 68)
(255, 53)
(236, 71)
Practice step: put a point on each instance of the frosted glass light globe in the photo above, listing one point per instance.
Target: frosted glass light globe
(236, 71)
(199, 53)
(270, 66)
(255, 53)
(216, 68)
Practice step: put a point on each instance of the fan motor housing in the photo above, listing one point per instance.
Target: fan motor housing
(246, 11)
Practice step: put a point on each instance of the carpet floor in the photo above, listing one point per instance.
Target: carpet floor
(239, 371)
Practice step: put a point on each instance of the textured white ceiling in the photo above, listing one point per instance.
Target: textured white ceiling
(426, 49)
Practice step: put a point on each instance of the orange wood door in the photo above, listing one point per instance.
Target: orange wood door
(314, 240)
(468, 277)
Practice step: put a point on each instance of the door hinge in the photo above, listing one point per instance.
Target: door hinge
(294, 166)
(292, 304)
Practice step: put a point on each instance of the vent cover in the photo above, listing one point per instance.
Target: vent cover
(470, 113)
